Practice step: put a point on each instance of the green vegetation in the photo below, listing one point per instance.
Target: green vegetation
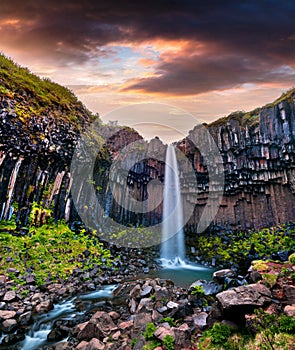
(133, 343)
(252, 118)
(198, 291)
(149, 331)
(241, 247)
(168, 342)
(44, 95)
(51, 251)
(268, 332)
(169, 320)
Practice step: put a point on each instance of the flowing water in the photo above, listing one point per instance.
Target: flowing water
(173, 260)
(37, 335)
(173, 246)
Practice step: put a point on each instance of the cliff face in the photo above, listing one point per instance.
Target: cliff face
(259, 166)
(40, 123)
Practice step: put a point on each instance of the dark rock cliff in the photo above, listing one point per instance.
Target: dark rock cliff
(259, 166)
(41, 122)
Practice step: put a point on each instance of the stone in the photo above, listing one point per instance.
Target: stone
(89, 331)
(5, 314)
(95, 344)
(252, 295)
(172, 305)
(289, 294)
(210, 287)
(9, 296)
(114, 315)
(25, 318)
(82, 346)
(146, 292)
(220, 275)
(141, 319)
(104, 322)
(182, 337)
(44, 306)
(200, 320)
(126, 326)
(289, 310)
(11, 339)
(162, 331)
(8, 326)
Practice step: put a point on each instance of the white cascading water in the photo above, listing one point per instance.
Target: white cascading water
(172, 249)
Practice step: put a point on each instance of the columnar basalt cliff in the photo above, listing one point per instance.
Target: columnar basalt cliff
(259, 166)
(40, 125)
(41, 122)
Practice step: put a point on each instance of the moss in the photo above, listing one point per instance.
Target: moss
(44, 95)
(292, 259)
(252, 118)
(269, 279)
(259, 265)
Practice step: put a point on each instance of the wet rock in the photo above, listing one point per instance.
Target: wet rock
(44, 306)
(146, 292)
(210, 287)
(12, 339)
(25, 318)
(220, 275)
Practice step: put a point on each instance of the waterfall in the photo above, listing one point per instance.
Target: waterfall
(173, 246)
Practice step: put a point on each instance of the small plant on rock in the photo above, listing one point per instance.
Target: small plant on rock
(198, 291)
(168, 342)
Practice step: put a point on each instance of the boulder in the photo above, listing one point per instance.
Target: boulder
(141, 319)
(182, 337)
(8, 326)
(289, 310)
(247, 297)
(9, 296)
(5, 314)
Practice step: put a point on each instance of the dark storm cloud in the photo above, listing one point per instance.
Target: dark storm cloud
(251, 38)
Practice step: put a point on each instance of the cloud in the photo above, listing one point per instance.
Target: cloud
(200, 46)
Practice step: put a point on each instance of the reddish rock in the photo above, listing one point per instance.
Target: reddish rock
(5, 314)
(9, 296)
(141, 319)
(289, 310)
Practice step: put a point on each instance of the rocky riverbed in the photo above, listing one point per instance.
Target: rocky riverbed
(144, 313)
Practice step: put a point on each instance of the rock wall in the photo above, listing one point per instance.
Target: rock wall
(257, 150)
(259, 167)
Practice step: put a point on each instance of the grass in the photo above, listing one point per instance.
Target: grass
(49, 250)
(44, 95)
(251, 118)
(236, 247)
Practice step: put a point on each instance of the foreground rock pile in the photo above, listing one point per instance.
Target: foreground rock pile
(151, 312)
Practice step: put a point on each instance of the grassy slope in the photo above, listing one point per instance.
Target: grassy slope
(42, 95)
(252, 118)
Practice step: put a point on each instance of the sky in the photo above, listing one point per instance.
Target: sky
(205, 59)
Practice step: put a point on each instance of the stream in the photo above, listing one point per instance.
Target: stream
(182, 274)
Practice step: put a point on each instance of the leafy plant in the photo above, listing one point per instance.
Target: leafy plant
(149, 331)
(168, 342)
(198, 291)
